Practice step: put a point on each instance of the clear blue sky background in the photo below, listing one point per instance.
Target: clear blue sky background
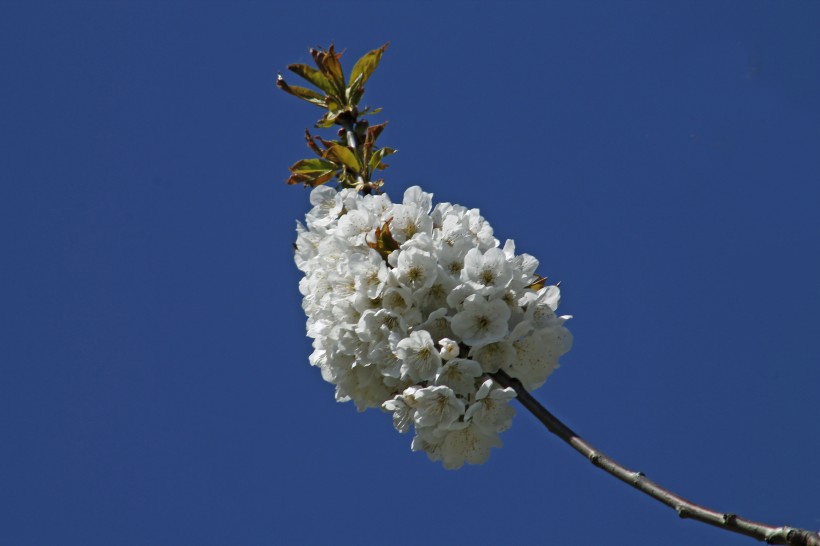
(661, 159)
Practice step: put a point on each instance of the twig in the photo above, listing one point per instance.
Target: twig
(684, 507)
(350, 132)
(349, 127)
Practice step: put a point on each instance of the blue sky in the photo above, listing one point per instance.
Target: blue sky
(660, 159)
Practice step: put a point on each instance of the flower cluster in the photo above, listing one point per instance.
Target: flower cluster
(411, 307)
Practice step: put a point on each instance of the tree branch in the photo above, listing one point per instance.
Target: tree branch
(350, 132)
(684, 507)
(349, 127)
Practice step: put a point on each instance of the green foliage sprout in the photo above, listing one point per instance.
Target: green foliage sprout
(354, 158)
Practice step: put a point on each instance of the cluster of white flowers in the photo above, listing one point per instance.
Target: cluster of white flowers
(411, 307)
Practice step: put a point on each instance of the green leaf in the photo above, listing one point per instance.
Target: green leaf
(313, 165)
(368, 112)
(365, 66)
(325, 122)
(312, 144)
(376, 159)
(538, 283)
(312, 172)
(301, 92)
(328, 63)
(356, 95)
(372, 135)
(329, 119)
(343, 155)
(326, 143)
(322, 178)
(313, 76)
(384, 243)
(354, 91)
(312, 179)
(333, 105)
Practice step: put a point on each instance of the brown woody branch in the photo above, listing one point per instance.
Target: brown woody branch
(685, 508)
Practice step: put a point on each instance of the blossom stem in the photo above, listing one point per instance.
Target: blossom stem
(349, 127)
(685, 508)
(350, 132)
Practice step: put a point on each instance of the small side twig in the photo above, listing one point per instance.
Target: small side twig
(685, 508)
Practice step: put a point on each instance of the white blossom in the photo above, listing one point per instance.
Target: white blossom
(460, 375)
(481, 321)
(416, 269)
(397, 299)
(492, 356)
(466, 442)
(408, 221)
(375, 325)
(415, 327)
(449, 348)
(537, 355)
(491, 410)
(402, 407)
(355, 225)
(438, 324)
(488, 273)
(369, 272)
(419, 356)
(423, 200)
(327, 204)
(437, 407)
